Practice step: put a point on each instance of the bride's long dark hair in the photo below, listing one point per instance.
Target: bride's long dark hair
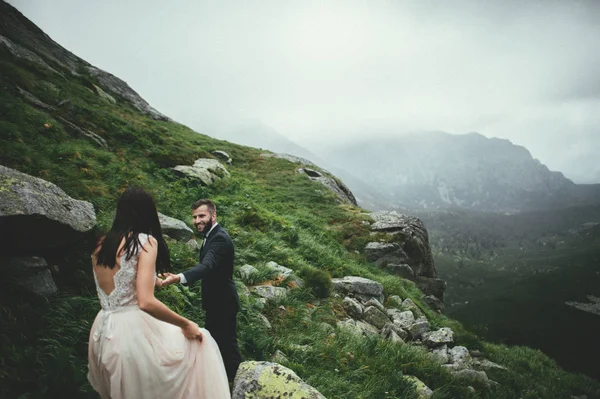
(136, 213)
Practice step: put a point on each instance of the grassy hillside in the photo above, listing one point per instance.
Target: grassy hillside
(272, 213)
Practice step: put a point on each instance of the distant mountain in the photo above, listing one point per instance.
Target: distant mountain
(260, 135)
(436, 170)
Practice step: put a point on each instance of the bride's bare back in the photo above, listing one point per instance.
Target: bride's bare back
(105, 275)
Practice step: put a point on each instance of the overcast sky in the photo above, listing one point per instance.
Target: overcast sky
(524, 70)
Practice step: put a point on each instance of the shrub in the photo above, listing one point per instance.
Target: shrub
(317, 280)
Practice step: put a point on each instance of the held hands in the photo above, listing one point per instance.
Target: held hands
(192, 331)
(169, 278)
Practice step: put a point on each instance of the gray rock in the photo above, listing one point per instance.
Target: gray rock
(376, 303)
(359, 328)
(391, 335)
(359, 287)
(104, 95)
(353, 308)
(206, 170)
(400, 332)
(223, 156)
(403, 270)
(443, 336)
(432, 286)
(246, 271)
(37, 214)
(414, 236)
(122, 89)
(22, 52)
(460, 357)
(484, 364)
(423, 391)
(375, 317)
(434, 303)
(441, 354)
(175, 228)
(404, 319)
(270, 380)
(32, 274)
(418, 328)
(268, 291)
(341, 191)
(279, 357)
(384, 254)
(394, 301)
(408, 304)
(284, 272)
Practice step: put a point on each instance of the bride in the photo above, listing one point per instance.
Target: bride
(138, 347)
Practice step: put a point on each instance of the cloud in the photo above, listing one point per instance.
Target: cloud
(523, 70)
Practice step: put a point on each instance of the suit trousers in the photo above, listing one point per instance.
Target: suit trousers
(222, 325)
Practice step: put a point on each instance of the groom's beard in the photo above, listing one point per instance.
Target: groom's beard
(206, 228)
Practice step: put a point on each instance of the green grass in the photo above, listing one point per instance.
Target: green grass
(272, 212)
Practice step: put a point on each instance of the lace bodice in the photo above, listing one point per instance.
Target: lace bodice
(124, 293)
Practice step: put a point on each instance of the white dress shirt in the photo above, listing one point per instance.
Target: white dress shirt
(182, 279)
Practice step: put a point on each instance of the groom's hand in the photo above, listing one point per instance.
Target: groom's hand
(169, 278)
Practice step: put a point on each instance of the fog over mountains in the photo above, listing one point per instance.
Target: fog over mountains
(434, 170)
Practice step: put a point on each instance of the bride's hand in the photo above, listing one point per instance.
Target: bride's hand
(192, 331)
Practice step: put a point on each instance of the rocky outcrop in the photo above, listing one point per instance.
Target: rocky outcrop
(333, 184)
(37, 214)
(175, 228)
(406, 251)
(320, 175)
(25, 40)
(206, 170)
(270, 380)
(223, 156)
(120, 88)
(359, 287)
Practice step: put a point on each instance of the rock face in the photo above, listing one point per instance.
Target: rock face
(25, 40)
(206, 170)
(335, 185)
(270, 380)
(359, 287)
(409, 255)
(175, 228)
(415, 239)
(35, 213)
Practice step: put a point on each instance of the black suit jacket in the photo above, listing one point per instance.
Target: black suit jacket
(216, 272)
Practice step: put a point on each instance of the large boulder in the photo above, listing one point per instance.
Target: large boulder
(432, 286)
(359, 287)
(270, 380)
(384, 254)
(207, 170)
(175, 228)
(341, 191)
(414, 239)
(36, 214)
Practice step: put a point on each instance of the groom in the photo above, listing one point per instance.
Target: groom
(219, 297)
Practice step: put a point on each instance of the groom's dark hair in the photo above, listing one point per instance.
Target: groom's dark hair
(209, 204)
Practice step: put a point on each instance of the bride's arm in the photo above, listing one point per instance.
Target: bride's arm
(145, 292)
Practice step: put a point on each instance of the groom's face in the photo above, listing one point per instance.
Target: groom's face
(203, 219)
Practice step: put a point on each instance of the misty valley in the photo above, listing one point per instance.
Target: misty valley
(522, 279)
